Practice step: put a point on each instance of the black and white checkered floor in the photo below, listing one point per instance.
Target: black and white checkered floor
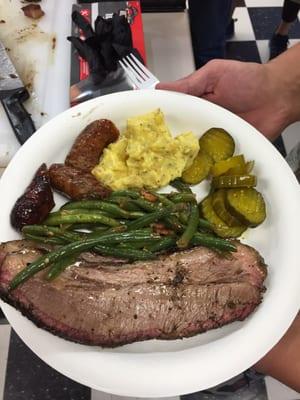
(23, 376)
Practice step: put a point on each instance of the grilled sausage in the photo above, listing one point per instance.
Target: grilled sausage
(36, 202)
(90, 143)
(76, 184)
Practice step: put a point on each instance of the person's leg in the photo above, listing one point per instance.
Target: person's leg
(208, 22)
(279, 40)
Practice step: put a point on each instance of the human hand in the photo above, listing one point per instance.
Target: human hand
(249, 90)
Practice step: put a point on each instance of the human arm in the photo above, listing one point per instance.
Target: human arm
(283, 361)
(265, 95)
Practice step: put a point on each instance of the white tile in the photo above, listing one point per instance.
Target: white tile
(97, 395)
(291, 136)
(278, 391)
(4, 346)
(168, 45)
(243, 27)
(263, 49)
(264, 3)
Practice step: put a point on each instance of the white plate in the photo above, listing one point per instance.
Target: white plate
(167, 368)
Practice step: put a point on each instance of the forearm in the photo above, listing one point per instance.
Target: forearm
(283, 361)
(284, 75)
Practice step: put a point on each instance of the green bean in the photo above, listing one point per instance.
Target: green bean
(212, 242)
(111, 209)
(182, 197)
(58, 267)
(148, 219)
(162, 199)
(136, 245)
(89, 218)
(127, 253)
(125, 203)
(76, 211)
(73, 248)
(128, 193)
(49, 258)
(165, 243)
(86, 227)
(145, 205)
(180, 185)
(204, 224)
(191, 228)
(43, 239)
(183, 216)
(172, 222)
(48, 231)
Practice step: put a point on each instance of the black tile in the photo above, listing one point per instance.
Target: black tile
(279, 144)
(266, 19)
(242, 51)
(239, 3)
(28, 377)
(2, 318)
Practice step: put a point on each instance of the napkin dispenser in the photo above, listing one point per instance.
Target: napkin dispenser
(83, 84)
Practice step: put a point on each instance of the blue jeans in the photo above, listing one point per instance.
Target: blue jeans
(208, 22)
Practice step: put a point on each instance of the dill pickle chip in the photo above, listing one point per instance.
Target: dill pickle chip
(217, 143)
(235, 163)
(199, 169)
(234, 181)
(249, 166)
(219, 226)
(241, 170)
(247, 205)
(219, 206)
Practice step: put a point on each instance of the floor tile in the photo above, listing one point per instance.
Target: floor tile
(291, 136)
(239, 3)
(265, 21)
(264, 51)
(169, 48)
(264, 3)
(30, 378)
(242, 51)
(2, 318)
(243, 27)
(4, 345)
(278, 391)
(97, 395)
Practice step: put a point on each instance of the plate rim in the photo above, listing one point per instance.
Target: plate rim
(264, 349)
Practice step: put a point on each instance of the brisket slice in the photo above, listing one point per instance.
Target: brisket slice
(112, 303)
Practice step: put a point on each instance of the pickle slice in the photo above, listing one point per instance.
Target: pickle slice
(236, 163)
(219, 206)
(241, 170)
(234, 181)
(199, 169)
(217, 143)
(219, 226)
(247, 205)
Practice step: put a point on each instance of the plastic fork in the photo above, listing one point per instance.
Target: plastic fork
(137, 73)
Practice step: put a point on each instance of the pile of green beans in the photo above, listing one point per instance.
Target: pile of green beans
(130, 224)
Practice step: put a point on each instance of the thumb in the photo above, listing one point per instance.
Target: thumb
(195, 84)
(176, 86)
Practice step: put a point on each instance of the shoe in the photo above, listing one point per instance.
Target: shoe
(278, 44)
